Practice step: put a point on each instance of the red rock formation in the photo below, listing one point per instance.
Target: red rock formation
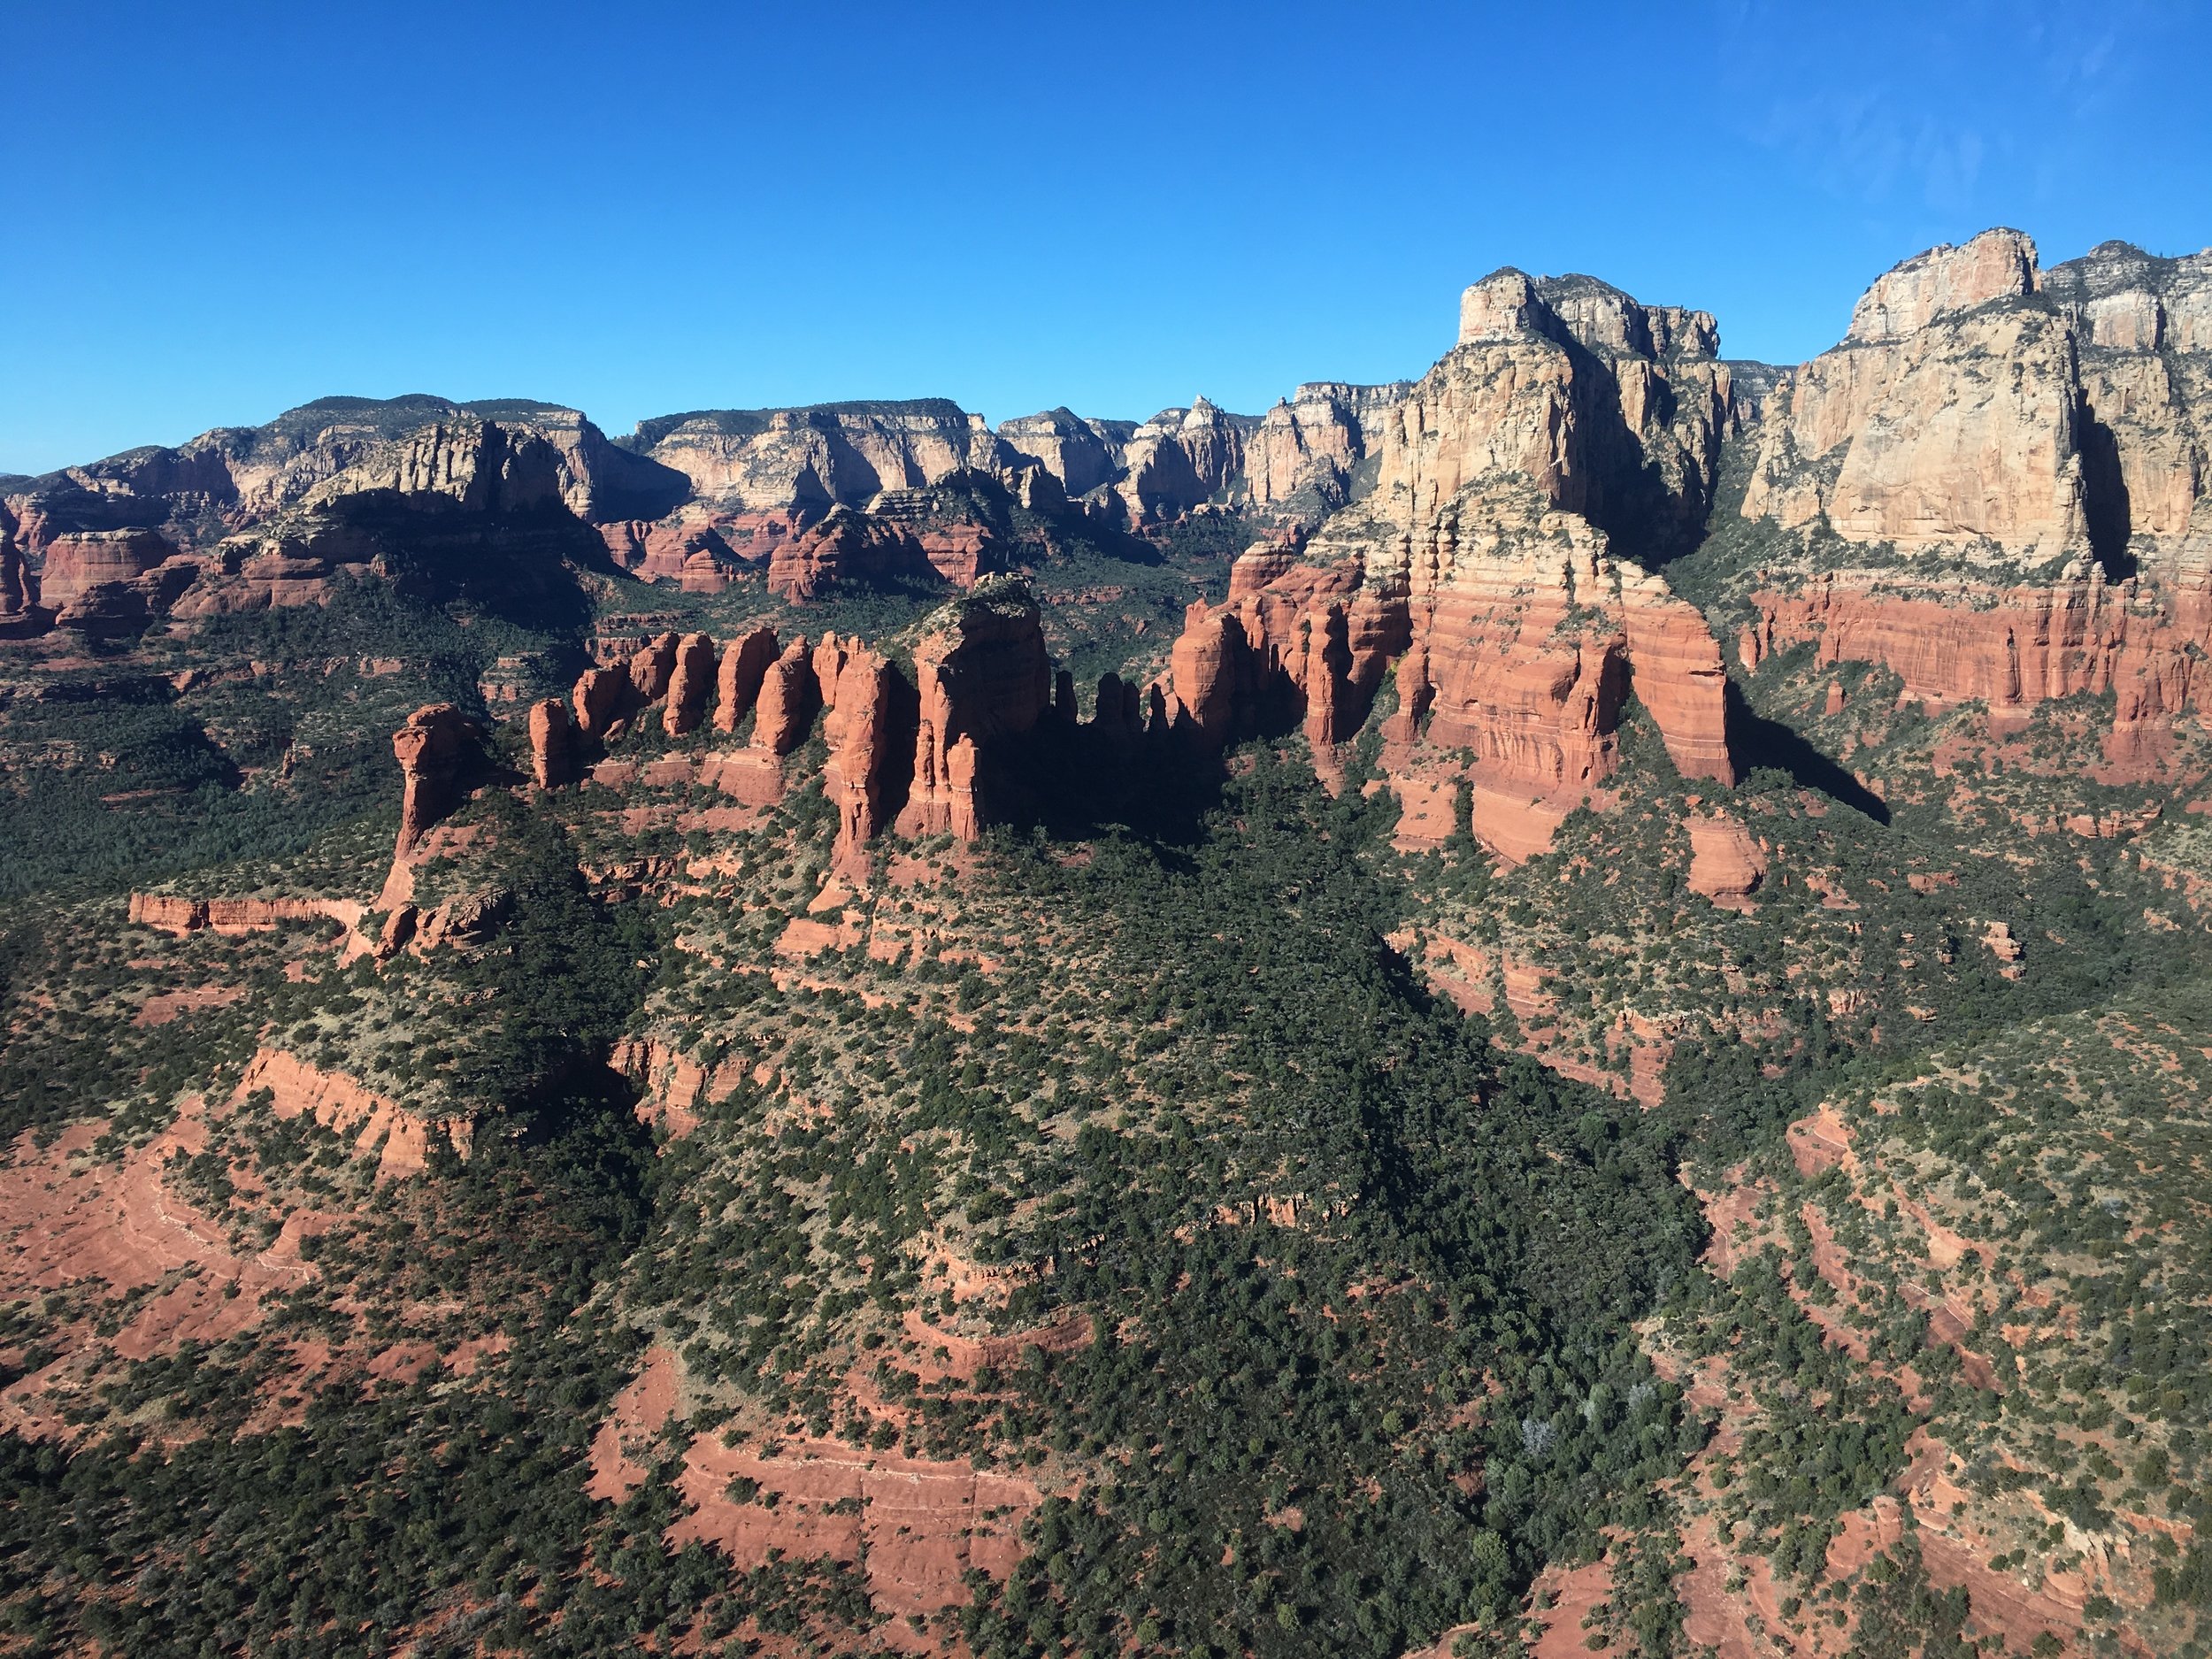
(2011, 646)
(830, 658)
(1675, 670)
(689, 685)
(652, 666)
(744, 665)
(694, 555)
(867, 733)
(603, 696)
(790, 697)
(83, 560)
(552, 744)
(433, 748)
(1215, 672)
(982, 675)
(846, 548)
(340, 1104)
(1726, 865)
(182, 916)
(1115, 710)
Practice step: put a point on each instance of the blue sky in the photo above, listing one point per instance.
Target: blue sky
(217, 210)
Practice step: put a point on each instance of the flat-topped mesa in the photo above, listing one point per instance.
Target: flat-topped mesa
(816, 458)
(868, 731)
(435, 749)
(1998, 265)
(982, 675)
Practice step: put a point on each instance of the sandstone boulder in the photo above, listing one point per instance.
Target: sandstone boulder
(1726, 865)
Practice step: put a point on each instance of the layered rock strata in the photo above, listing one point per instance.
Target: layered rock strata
(2010, 467)
(1483, 565)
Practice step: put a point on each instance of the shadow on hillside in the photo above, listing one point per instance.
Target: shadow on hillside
(1764, 743)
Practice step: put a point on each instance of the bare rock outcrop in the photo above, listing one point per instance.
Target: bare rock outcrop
(602, 697)
(982, 676)
(823, 456)
(553, 737)
(1083, 455)
(691, 684)
(789, 699)
(435, 749)
(848, 549)
(652, 666)
(868, 731)
(737, 685)
(1998, 265)
(1726, 864)
(2030, 441)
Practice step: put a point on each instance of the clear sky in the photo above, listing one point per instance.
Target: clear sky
(215, 211)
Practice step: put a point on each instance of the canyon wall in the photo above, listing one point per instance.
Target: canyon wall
(1994, 486)
(1567, 417)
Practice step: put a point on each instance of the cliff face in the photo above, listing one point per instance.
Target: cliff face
(828, 455)
(981, 676)
(249, 518)
(1613, 409)
(1482, 563)
(2010, 464)
(487, 455)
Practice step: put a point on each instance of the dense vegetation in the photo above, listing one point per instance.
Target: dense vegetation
(1379, 1321)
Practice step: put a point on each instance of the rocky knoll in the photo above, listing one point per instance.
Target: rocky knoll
(2011, 461)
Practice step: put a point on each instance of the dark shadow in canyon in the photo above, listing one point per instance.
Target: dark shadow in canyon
(1759, 742)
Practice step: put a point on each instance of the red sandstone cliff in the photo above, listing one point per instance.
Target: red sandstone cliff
(867, 730)
(2018, 495)
(981, 675)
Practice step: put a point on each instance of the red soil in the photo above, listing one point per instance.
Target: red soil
(164, 1006)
